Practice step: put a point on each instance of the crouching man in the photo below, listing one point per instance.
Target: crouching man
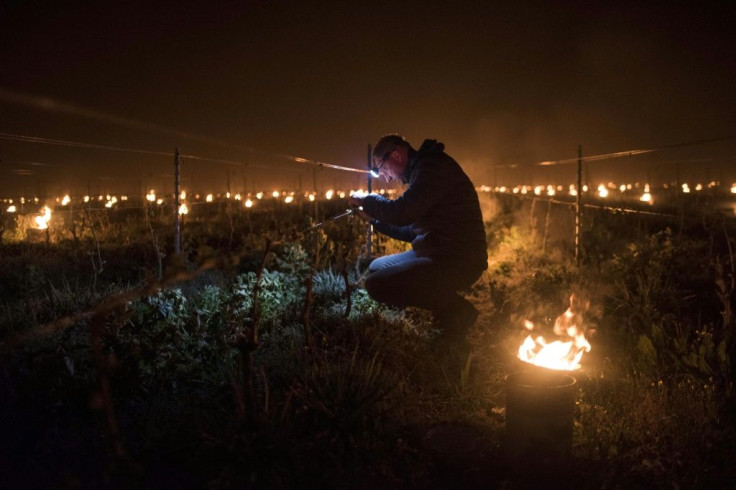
(440, 215)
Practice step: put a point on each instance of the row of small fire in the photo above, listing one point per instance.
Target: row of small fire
(602, 191)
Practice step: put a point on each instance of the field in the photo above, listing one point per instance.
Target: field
(255, 359)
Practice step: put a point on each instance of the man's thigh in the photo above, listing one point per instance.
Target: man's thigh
(391, 260)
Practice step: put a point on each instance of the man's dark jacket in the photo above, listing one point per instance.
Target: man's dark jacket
(439, 211)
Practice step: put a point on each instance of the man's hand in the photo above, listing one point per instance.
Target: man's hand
(355, 201)
(363, 215)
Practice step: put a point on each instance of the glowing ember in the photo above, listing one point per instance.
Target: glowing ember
(42, 221)
(569, 345)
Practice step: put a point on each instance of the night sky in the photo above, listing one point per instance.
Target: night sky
(500, 85)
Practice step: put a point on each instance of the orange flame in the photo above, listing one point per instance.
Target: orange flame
(42, 220)
(567, 350)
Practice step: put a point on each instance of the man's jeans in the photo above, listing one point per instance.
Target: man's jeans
(404, 279)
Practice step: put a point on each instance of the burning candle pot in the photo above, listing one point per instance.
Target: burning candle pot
(540, 400)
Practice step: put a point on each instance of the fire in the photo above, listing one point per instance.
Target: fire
(567, 350)
(42, 220)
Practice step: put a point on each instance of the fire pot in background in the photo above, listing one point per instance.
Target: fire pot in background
(539, 420)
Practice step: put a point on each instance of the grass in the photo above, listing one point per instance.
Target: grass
(373, 400)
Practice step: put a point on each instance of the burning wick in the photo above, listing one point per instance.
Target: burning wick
(564, 353)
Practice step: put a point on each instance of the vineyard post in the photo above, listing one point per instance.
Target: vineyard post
(578, 205)
(678, 199)
(177, 218)
(369, 232)
(314, 189)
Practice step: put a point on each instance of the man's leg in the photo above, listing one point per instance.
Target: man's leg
(391, 260)
(406, 280)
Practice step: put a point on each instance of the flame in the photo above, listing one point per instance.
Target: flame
(183, 209)
(566, 352)
(42, 220)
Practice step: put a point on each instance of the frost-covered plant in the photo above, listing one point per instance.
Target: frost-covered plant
(279, 296)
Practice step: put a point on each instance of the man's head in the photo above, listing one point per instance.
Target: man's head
(390, 157)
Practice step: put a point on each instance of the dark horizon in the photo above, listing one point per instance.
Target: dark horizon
(503, 87)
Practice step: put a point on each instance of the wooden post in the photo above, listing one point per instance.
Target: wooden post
(579, 206)
(314, 189)
(369, 232)
(177, 218)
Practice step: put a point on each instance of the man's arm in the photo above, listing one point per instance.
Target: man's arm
(403, 233)
(428, 188)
